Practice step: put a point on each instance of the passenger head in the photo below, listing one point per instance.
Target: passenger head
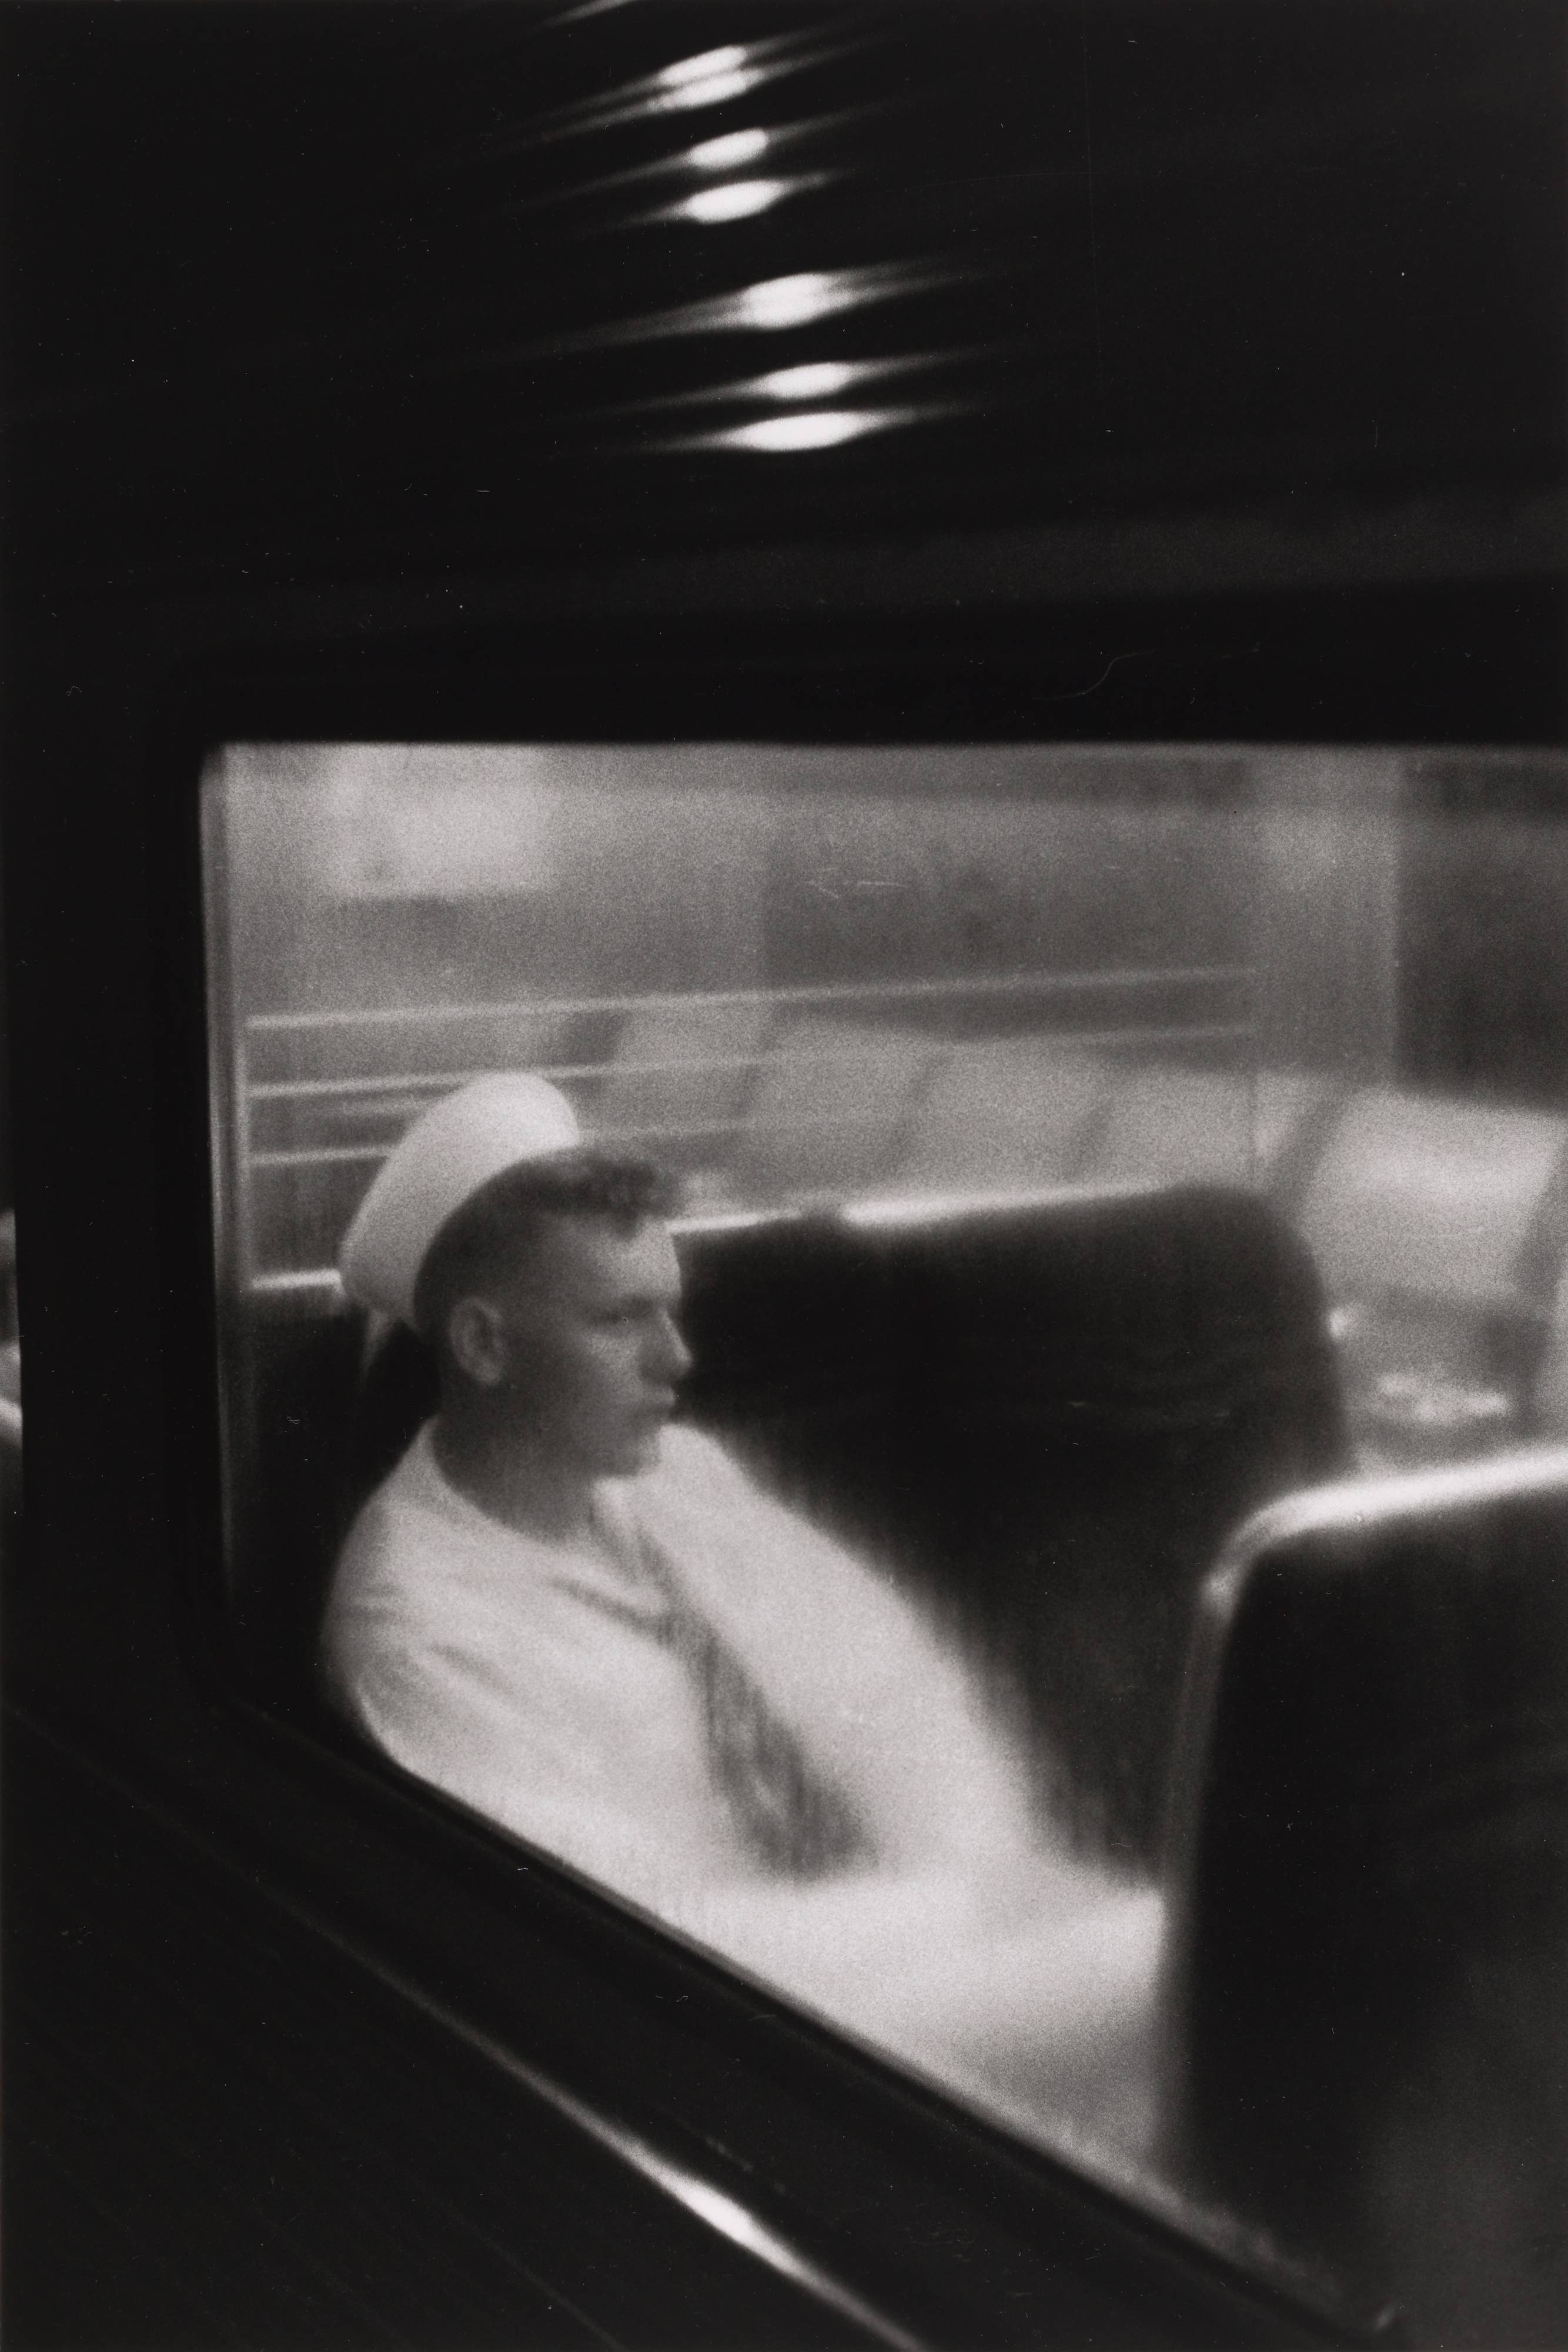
(550, 1299)
(540, 1268)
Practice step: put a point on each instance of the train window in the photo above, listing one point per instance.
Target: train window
(758, 1280)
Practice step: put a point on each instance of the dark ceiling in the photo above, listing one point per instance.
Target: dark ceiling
(299, 284)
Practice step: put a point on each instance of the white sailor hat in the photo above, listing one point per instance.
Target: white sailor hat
(475, 1133)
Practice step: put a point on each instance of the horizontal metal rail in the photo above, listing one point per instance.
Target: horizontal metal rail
(329, 1154)
(433, 1081)
(818, 992)
(447, 1081)
(310, 1155)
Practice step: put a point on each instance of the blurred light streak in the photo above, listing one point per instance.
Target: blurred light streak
(733, 200)
(732, 150)
(937, 1208)
(714, 91)
(702, 67)
(813, 380)
(588, 8)
(817, 379)
(793, 301)
(816, 428)
(705, 79)
(736, 148)
(772, 303)
(723, 153)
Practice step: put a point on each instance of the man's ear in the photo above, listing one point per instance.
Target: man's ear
(476, 1339)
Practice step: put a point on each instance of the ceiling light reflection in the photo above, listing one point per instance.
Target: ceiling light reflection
(818, 381)
(707, 79)
(712, 91)
(701, 68)
(793, 301)
(588, 8)
(774, 302)
(736, 200)
(816, 428)
(724, 154)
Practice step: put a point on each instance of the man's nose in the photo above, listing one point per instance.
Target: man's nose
(670, 1359)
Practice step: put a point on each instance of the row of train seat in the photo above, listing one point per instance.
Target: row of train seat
(1396, 1191)
(788, 1106)
(1403, 1190)
(1440, 1226)
(1364, 2007)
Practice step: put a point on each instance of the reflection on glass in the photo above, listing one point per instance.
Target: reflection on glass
(710, 63)
(711, 91)
(816, 380)
(796, 301)
(818, 428)
(728, 152)
(1079, 1147)
(811, 379)
(774, 303)
(683, 87)
(736, 200)
(588, 8)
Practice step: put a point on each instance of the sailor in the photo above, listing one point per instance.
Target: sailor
(587, 1622)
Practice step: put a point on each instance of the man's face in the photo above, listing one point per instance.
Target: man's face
(594, 1353)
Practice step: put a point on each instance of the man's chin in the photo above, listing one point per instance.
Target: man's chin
(640, 1452)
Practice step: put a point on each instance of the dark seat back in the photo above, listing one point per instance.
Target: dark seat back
(1045, 1420)
(794, 1327)
(1367, 1992)
(295, 1380)
(395, 1397)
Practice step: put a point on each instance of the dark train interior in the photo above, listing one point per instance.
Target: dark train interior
(951, 619)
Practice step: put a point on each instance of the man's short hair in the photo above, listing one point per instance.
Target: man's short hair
(501, 1224)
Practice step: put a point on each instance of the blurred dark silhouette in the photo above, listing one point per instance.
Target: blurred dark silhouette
(1045, 1420)
(1368, 1994)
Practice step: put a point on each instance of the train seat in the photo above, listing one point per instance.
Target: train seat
(1365, 1998)
(1172, 1125)
(1430, 1198)
(1006, 1113)
(294, 1420)
(1439, 1227)
(680, 1081)
(1293, 1112)
(1548, 1400)
(830, 1108)
(1044, 1420)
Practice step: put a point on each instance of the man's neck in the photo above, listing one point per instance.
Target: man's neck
(511, 1480)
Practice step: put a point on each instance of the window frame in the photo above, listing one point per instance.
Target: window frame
(264, 1787)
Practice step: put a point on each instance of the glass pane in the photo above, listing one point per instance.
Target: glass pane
(1075, 1150)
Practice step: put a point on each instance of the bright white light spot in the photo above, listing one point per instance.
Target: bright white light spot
(712, 91)
(736, 199)
(701, 68)
(823, 428)
(937, 1208)
(818, 382)
(724, 154)
(793, 301)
